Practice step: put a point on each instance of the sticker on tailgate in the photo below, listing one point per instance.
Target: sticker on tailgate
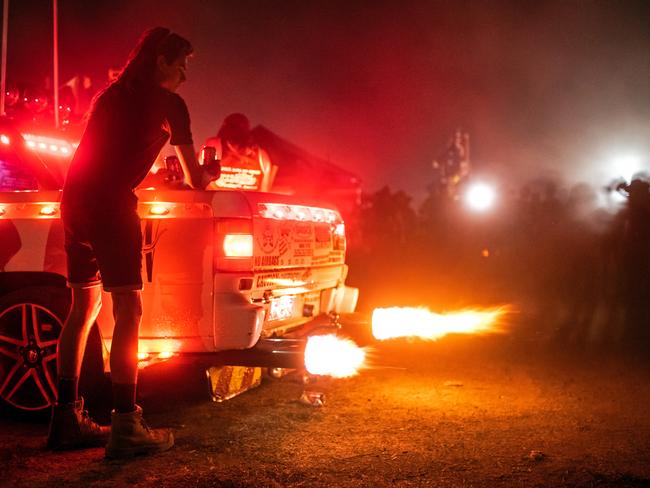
(284, 243)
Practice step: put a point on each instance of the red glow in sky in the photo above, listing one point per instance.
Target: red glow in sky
(377, 87)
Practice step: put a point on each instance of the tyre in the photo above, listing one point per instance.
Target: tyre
(31, 320)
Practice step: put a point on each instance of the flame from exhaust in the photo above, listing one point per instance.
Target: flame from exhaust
(391, 323)
(329, 355)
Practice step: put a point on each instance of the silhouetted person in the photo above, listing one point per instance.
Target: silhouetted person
(244, 164)
(130, 122)
(636, 260)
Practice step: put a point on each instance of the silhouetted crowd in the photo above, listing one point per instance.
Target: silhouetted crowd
(574, 262)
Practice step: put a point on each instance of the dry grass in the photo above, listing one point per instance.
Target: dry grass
(462, 411)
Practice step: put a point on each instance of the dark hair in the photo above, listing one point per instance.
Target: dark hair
(236, 130)
(141, 65)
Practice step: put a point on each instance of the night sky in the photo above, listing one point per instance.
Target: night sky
(378, 87)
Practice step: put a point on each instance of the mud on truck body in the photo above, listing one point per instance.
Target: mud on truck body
(230, 277)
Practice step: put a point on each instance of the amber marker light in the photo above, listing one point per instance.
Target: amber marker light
(159, 210)
(48, 210)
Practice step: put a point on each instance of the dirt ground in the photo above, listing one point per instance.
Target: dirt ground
(463, 411)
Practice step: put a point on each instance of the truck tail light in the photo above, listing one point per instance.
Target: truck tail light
(338, 237)
(238, 245)
(234, 245)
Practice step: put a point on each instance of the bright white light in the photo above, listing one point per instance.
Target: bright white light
(159, 210)
(280, 211)
(480, 197)
(4, 139)
(238, 245)
(625, 166)
(48, 210)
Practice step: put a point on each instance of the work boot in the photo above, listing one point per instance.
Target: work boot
(72, 428)
(131, 436)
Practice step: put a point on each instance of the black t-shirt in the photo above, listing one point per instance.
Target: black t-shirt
(128, 127)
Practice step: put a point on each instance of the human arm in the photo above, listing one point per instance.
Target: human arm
(195, 175)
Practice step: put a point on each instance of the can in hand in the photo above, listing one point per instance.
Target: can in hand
(208, 155)
(210, 162)
(173, 167)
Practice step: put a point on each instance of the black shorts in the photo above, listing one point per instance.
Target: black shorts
(103, 247)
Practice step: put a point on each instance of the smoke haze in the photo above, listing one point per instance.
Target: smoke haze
(378, 87)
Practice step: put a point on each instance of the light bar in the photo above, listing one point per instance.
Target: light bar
(48, 145)
(31, 210)
(281, 211)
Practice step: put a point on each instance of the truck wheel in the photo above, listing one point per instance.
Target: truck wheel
(31, 320)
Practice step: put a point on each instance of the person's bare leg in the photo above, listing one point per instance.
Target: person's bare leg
(86, 303)
(70, 425)
(127, 311)
(129, 433)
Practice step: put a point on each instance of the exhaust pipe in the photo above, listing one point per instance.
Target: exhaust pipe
(288, 352)
(267, 353)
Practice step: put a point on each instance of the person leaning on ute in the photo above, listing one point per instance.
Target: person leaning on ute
(130, 122)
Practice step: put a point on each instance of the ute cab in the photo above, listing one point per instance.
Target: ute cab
(224, 272)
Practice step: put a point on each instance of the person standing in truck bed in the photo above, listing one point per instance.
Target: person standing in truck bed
(130, 122)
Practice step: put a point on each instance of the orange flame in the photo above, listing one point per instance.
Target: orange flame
(329, 355)
(390, 323)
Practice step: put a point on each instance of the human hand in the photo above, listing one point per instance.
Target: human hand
(210, 173)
